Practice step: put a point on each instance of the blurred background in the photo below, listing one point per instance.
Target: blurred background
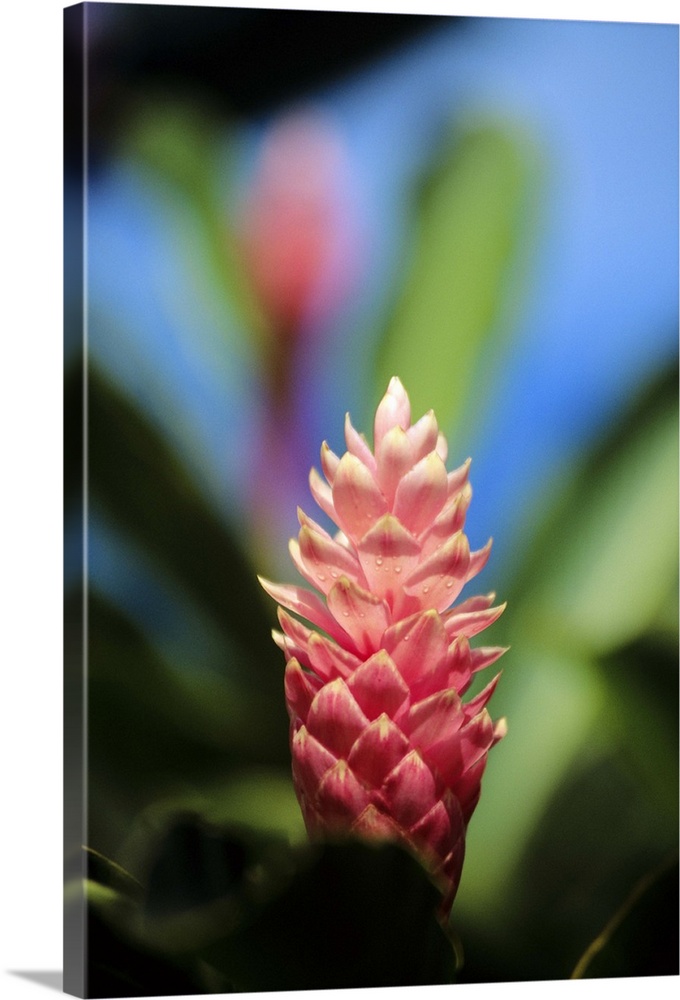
(285, 208)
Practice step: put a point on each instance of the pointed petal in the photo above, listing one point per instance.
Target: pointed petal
(311, 760)
(388, 553)
(409, 790)
(328, 659)
(438, 581)
(421, 493)
(456, 479)
(434, 719)
(394, 457)
(300, 688)
(335, 719)
(478, 560)
(358, 446)
(377, 686)
(325, 561)
(417, 645)
(363, 615)
(340, 798)
(448, 522)
(465, 748)
(394, 410)
(375, 825)
(470, 623)
(307, 605)
(357, 499)
(424, 436)
(378, 751)
(321, 492)
(329, 462)
(433, 830)
(442, 448)
(476, 704)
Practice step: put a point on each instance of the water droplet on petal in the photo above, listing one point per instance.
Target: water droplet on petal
(425, 589)
(379, 561)
(449, 584)
(397, 569)
(321, 576)
(345, 614)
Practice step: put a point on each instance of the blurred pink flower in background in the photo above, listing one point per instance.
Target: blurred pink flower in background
(382, 744)
(299, 236)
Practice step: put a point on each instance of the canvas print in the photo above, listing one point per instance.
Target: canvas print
(371, 500)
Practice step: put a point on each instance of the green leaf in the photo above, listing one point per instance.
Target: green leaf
(185, 148)
(463, 280)
(608, 569)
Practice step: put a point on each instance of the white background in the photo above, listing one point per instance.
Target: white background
(30, 726)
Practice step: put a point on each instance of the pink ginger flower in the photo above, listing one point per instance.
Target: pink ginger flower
(383, 746)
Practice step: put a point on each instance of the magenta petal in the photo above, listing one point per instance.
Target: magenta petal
(340, 798)
(434, 719)
(335, 718)
(433, 830)
(378, 751)
(300, 688)
(465, 749)
(377, 686)
(417, 645)
(375, 825)
(409, 790)
(311, 760)
(307, 605)
(357, 499)
(328, 659)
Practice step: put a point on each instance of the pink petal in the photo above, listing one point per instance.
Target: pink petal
(457, 479)
(448, 522)
(357, 499)
(465, 748)
(321, 492)
(363, 615)
(476, 704)
(329, 463)
(358, 446)
(335, 718)
(394, 410)
(300, 688)
(377, 686)
(388, 552)
(395, 457)
(378, 750)
(417, 645)
(421, 493)
(328, 659)
(433, 720)
(424, 436)
(433, 830)
(325, 560)
(340, 798)
(470, 623)
(308, 605)
(311, 760)
(478, 560)
(375, 825)
(409, 791)
(438, 581)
